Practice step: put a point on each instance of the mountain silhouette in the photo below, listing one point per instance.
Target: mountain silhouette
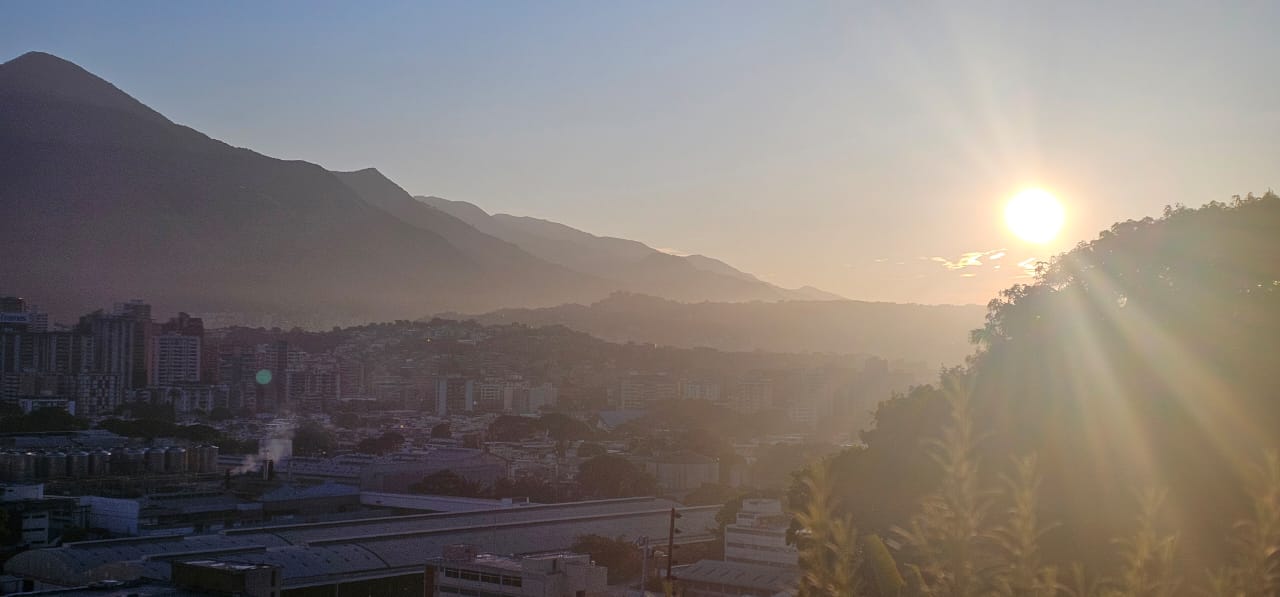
(632, 265)
(930, 335)
(104, 199)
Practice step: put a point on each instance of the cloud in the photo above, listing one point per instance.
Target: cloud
(676, 252)
(970, 259)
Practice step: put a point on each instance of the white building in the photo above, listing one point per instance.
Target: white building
(759, 536)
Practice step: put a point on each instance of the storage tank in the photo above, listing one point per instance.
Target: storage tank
(78, 465)
(155, 460)
(210, 459)
(24, 465)
(175, 460)
(100, 463)
(53, 465)
(134, 462)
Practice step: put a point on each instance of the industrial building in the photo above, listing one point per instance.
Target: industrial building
(383, 556)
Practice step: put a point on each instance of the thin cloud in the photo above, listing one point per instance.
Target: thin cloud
(970, 259)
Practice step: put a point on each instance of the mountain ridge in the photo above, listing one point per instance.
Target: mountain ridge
(635, 265)
(932, 335)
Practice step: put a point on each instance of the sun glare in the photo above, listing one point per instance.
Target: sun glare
(1034, 215)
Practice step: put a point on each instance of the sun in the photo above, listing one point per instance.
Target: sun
(1034, 215)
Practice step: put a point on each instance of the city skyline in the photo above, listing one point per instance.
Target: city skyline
(779, 139)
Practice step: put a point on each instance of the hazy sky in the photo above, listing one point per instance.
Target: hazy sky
(845, 145)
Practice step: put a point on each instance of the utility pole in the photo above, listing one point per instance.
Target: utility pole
(671, 542)
(643, 542)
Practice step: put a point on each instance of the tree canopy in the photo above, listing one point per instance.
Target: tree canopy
(1143, 359)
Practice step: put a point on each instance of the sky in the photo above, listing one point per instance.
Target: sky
(864, 148)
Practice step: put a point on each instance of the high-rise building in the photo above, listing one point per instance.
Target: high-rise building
(113, 344)
(175, 358)
(454, 395)
(140, 313)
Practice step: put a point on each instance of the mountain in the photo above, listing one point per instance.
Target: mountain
(929, 334)
(633, 265)
(106, 199)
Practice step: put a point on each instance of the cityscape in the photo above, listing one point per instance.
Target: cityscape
(125, 425)
(639, 299)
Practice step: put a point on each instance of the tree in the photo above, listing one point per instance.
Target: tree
(710, 494)
(441, 431)
(312, 439)
(390, 441)
(610, 476)
(511, 428)
(537, 490)
(447, 482)
(347, 420)
(44, 419)
(589, 450)
(619, 556)
(220, 413)
(562, 427)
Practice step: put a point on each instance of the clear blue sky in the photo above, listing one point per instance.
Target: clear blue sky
(843, 144)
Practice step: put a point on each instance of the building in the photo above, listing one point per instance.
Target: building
(641, 391)
(540, 396)
(683, 471)
(138, 312)
(713, 578)
(753, 396)
(454, 395)
(700, 390)
(113, 345)
(175, 359)
(759, 536)
(227, 578)
(463, 571)
(36, 519)
(372, 556)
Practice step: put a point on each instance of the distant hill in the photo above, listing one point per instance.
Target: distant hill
(106, 199)
(634, 266)
(929, 334)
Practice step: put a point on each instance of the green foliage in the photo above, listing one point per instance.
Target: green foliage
(1144, 358)
(389, 441)
(562, 427)
(589, 450)
(620, 556)
(1148, 566)
(537, 490)
(709, 494)
(347, 420)
(154, 428)
(944, 537)
(1254, 569)
(220, 413)
(312, 439)
(886, 580)
(44, 419)
(447, 482)
(610, 476)
(511, 428)
(1019, 570)
(830, 555)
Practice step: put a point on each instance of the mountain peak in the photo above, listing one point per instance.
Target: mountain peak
(45, 77)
